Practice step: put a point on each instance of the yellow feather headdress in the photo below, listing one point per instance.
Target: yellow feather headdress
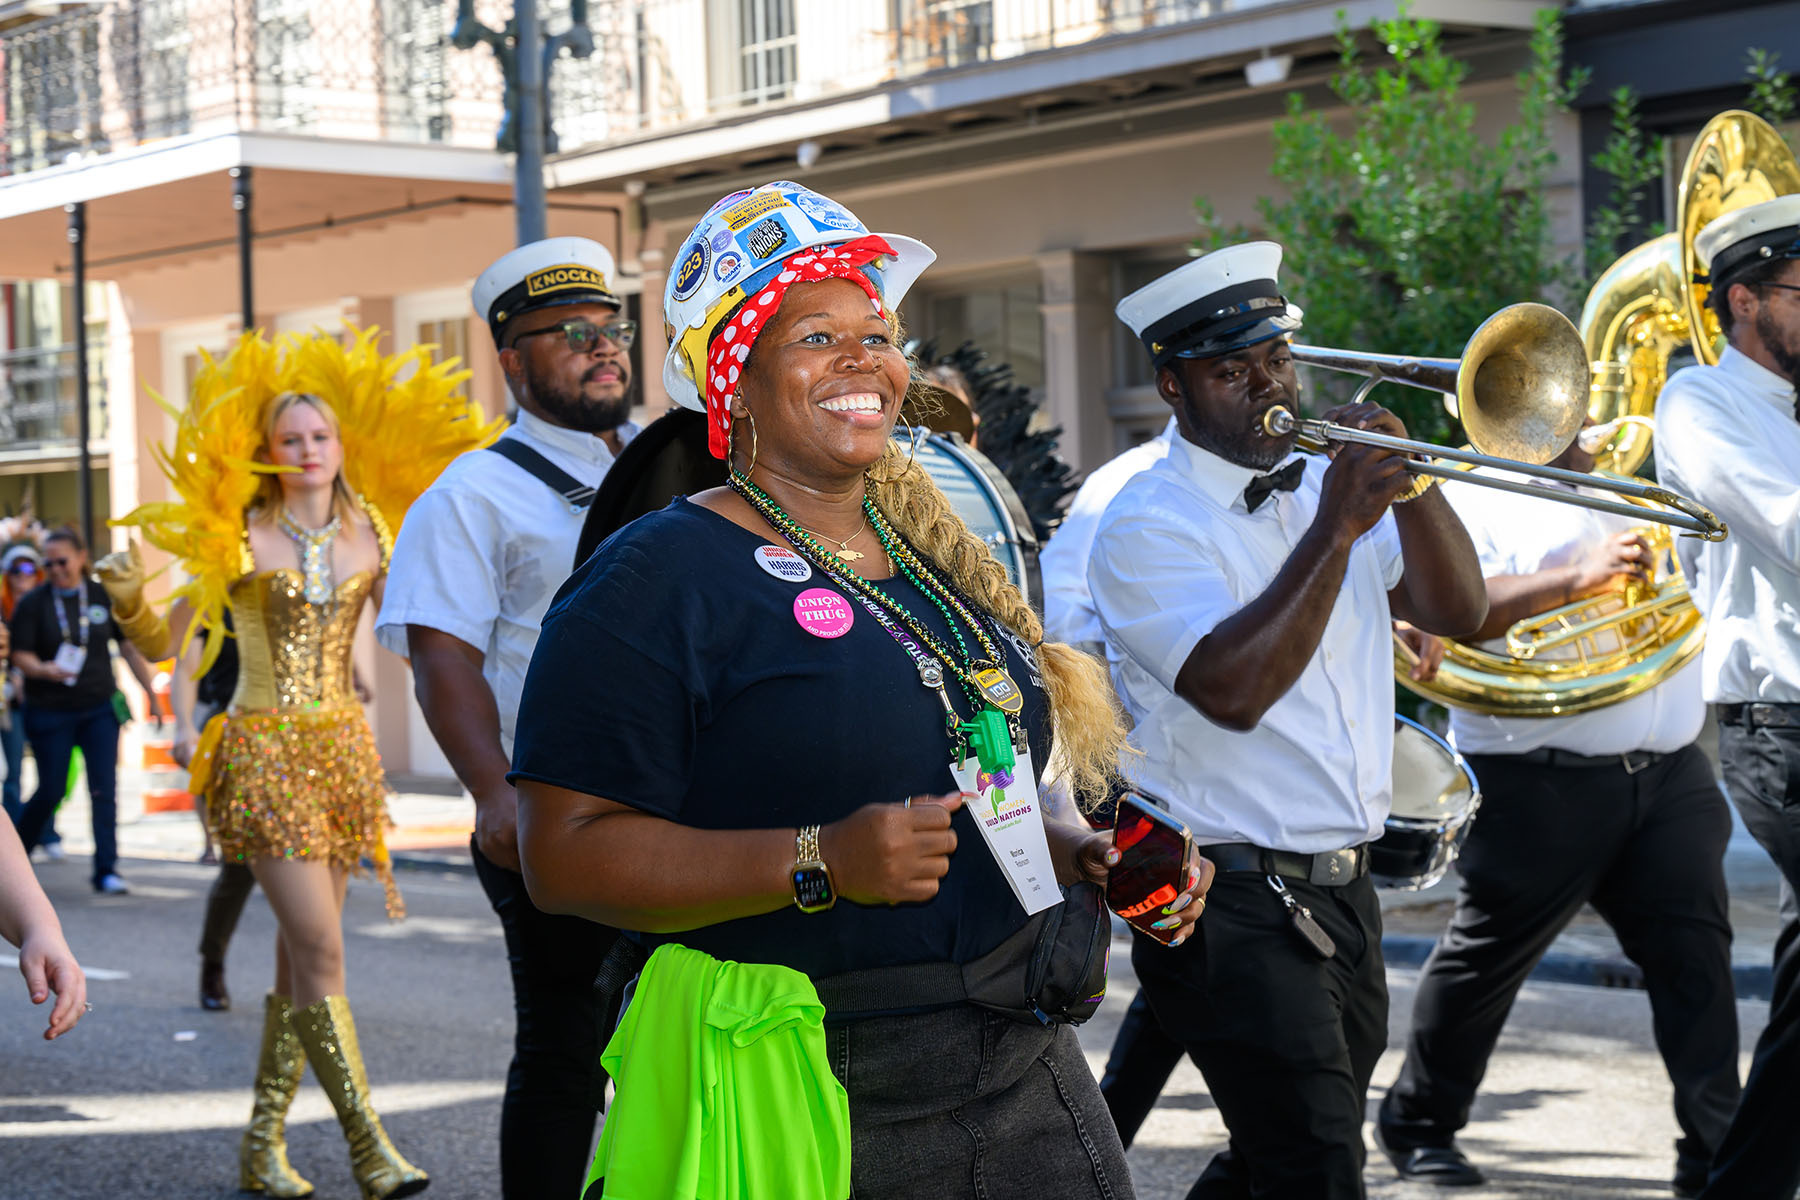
(398, 434)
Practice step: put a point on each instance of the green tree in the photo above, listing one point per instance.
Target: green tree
(1404, 228)
(1634, 161)
(1772, 91)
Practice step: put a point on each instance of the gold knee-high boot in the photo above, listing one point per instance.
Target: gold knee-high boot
(262, 1157)
(328, 1033)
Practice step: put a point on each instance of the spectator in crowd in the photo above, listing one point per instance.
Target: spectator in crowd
(62, 642)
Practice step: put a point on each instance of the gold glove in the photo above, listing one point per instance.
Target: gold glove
(121, 573)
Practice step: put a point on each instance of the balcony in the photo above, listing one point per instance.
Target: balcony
(38, 411)
(132, 72)
(665, 64)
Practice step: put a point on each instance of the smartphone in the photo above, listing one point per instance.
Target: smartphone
(1152, 868)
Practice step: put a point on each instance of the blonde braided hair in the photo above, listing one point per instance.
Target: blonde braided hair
(1087, 727)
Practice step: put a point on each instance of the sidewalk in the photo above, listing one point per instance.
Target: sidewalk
(432, 832)
(432, 829)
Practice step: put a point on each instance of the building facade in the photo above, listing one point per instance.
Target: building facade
(1050, 150)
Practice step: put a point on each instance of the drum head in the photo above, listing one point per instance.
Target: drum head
(987, 503)
(1430, 781)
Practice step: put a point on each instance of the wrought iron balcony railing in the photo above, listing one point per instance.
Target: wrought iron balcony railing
(37, 396)
(127, 72)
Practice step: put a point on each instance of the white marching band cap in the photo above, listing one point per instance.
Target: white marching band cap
(1218, 303)
(1756, 233)
(555, 271)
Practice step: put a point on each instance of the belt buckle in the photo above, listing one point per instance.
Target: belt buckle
(1634, 765)
(1332, 868)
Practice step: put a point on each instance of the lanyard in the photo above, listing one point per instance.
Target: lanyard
(993, 735)
(81, 617)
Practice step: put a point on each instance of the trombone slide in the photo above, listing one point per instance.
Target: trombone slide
(1687, 514)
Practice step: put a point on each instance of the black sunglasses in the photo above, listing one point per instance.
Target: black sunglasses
(1786, 287)
(58, 562)
(583, 336)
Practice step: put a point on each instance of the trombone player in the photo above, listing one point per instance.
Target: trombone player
(1245, 596)
(1615, 806)
(1728, 435)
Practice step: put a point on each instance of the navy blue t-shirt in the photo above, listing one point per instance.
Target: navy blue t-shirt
(673, 675)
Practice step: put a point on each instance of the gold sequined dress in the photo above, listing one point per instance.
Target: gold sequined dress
(291, 769)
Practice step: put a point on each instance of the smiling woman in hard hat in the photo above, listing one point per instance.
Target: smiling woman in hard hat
(801, 733)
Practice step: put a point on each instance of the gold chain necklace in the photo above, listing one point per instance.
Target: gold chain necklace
(843, 550)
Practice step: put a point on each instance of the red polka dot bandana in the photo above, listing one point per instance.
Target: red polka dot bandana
(731, 342)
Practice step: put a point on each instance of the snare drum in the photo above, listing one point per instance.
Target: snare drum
(1435, 798)
(987, 503)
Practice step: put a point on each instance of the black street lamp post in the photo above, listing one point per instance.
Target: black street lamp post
(526, 58)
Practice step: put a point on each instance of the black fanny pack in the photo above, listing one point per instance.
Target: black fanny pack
(1051, 972)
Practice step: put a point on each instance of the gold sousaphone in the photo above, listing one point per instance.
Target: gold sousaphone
(1647, 307)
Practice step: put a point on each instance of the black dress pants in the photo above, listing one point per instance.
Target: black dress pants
(1286, 1040)
(547, 1118)
(1760, 1154)
(1647, 850)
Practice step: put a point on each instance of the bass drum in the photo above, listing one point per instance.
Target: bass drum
(669, 458)
(1435, 799)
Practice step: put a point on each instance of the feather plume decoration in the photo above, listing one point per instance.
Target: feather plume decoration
(398, 434)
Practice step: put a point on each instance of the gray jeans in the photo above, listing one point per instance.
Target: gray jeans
(965, 1102)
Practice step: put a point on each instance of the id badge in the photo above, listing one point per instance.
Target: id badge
(1011, 821)
(70, 658)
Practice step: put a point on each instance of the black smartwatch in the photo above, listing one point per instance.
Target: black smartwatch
(811, 877)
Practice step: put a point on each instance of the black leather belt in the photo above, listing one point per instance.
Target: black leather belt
(1632, 762)
(1331, 868)
(1761, 715)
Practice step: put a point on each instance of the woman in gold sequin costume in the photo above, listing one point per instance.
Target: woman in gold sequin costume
(291, 460)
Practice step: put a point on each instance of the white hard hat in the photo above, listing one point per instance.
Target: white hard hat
(559, 270)
(741, 243)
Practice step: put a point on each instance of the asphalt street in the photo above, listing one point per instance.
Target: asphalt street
(146, 1098)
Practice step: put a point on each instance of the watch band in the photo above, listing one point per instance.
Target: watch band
(813, 888)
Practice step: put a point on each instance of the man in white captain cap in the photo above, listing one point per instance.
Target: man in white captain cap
(1727, 436)
(475, 566)
(1246, 596)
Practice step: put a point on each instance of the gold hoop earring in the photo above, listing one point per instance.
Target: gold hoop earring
(751, 417)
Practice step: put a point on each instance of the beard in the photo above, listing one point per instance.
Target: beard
(1244, 446)
(1776, 341)
(573, 409)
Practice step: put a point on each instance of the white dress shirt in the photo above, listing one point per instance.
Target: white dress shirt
(482, 552)
(1068, 607)
(1727, 437)
(1519, 535)
(1177, 553)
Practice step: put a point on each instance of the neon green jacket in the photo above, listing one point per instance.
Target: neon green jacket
(724, 1088)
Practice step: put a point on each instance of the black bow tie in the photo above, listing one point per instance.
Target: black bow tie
(1285, 479)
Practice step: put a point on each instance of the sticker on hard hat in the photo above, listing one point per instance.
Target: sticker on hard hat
(824, 211)
(760, 204)
(766, 239)
(727, 266)
(691, 270)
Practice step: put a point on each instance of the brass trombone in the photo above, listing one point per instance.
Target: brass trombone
(1521, 388)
